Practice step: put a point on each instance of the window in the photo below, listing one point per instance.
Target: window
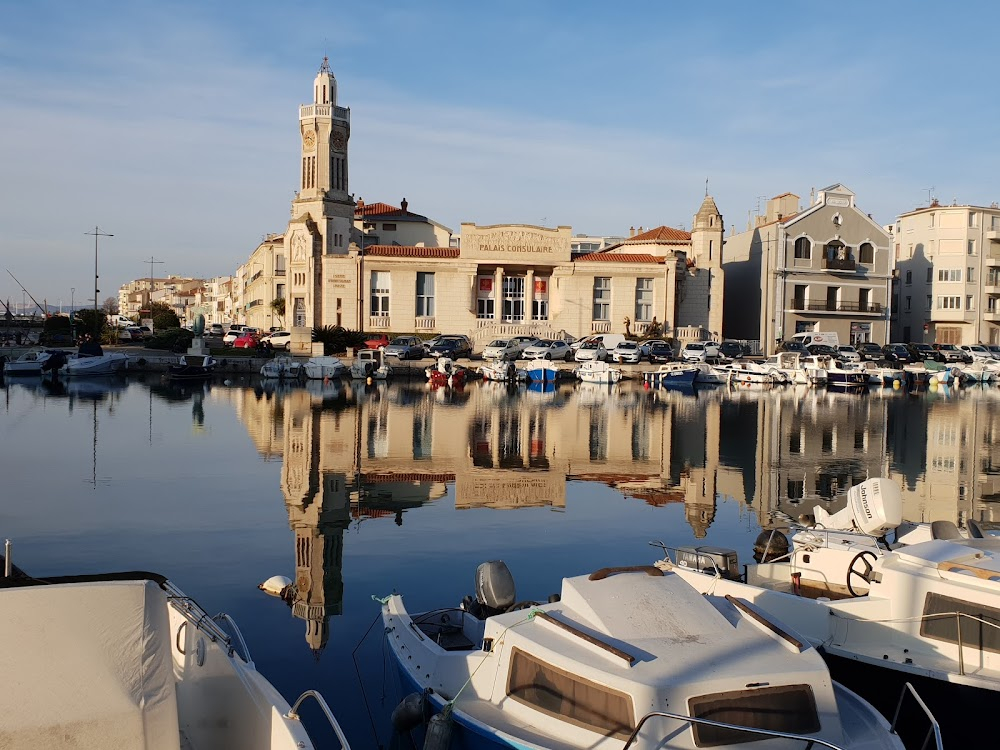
(280, 291)
(569, 697)
(972, 219)
(930, 275)
(513, 299)
(785, 708)
(799, 297)
(279, 264)
(425, 294)
(909, 277)
(949, 303)
(969, 305)
(484, 298)
(907, 304)
(388, 227)
(602, 298)
(422, 437)
(864, 299)
(866, 253)
(832, 297)
(930, 302)
(796, 489)
(974, 633)
(950, 274)
(380, 294)
(931, 220)
(643, 300)
(540, 300)
(803, 249)
(972, 247)
(299, 310)
(970, 274)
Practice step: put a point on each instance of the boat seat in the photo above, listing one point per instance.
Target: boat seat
(945, 530)
(87, 666)
(975, 532)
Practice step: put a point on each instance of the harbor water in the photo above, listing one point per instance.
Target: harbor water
(354, 491)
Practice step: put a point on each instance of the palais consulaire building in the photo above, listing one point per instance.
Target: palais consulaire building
(375, 267)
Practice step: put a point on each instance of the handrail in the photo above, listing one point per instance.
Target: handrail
(666, 550)
(934, 729)
(293, 715)
(198, 617)
(224, 617)
(808, 741)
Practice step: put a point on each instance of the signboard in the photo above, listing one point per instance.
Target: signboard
(513, 243)
(541, 286)
(486, 284)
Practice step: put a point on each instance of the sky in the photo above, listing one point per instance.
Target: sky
(174, 125)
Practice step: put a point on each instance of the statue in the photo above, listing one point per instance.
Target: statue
(199, 325)
(654, 330)
(628, 323)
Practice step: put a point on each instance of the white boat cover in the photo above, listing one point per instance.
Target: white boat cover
(87, 665)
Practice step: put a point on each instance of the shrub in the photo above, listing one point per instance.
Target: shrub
(337, 339)
(171, 339)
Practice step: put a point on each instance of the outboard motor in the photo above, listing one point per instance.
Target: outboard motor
(494, 590)
(874, 507)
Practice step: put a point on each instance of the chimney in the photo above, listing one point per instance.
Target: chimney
(361, 203)
(403, 205)
(631, 232)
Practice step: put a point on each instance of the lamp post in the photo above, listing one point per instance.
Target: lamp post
(72, 313)
(97, 233)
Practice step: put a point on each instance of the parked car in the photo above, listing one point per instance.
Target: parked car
(897, 353)
(376, 341)
(406, 347)
(952, 353)
(589, 350)
(847, 353)
(548, 349)
(792, 346)
(280, 340)
(502, 349)
(977, 351)
(920, 352)
(147, 332)
(822, 350)
(231, 335)
(523, 342)
(658, 350)
(870, 352)
(452, 346)
(627, 352)
(247, 340)
(215, 329)
(699, 351)
(994, 350)
(731, 350)
(131, 335)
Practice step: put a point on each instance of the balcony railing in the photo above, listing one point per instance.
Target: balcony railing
(872, 307)
(839, 264)
(379, 322)
(600, 326)
(279, 271)
(425, 324)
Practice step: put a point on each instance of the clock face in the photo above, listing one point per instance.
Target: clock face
(309, 139)
(339, 141)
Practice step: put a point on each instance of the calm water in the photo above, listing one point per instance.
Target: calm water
(355, 491)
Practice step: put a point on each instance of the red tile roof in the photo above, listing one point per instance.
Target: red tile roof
(661, 234)
(375, 209)
(400, 251)
(619, 258)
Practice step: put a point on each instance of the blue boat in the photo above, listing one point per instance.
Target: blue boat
(672, 375)
(541, 371)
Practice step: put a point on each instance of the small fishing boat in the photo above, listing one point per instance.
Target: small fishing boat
(321, 368)
(674, 375)
(29, 363)
(630, 657)
(85, 365)
(282, 368)
(845, 375)
(192, 367)
(539, 370)
(126, 660)
(750, 373)
(445, 371)
(370, 363)
(499, 370)
(797, 368)
(597, 371)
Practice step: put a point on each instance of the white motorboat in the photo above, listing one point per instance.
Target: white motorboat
(846, 375)
(29, 363)
(797, 368)
(597, 371)
(370, 363)
(82, 365)
(745, 372)
(282, 367)
(540, 371)
(446, 372)
(979, 372)
(321, 368)
(623, 658)
(128, 661)
(499, 370)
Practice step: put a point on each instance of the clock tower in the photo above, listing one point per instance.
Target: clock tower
(322, 212)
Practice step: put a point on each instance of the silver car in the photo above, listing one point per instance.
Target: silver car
(502, 349)
(406, 347)
(546, 349)
(627, 352)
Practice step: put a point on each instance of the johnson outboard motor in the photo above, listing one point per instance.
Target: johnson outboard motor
(874, 507)
(494, 590)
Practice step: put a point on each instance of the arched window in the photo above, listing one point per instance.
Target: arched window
(803, 249)
(866, 253)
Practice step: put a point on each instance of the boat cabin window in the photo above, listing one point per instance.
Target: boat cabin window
(785, 708)
(569, 697)
(981, 629)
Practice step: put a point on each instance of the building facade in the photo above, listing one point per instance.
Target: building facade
(948, 274)
(825, 268)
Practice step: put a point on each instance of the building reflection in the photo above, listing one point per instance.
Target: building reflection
(352, 452)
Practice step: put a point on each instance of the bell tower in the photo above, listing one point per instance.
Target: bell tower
(322, 212)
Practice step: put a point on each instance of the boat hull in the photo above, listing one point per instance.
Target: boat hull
(105, 364)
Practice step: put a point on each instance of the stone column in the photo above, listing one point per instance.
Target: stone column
(529, 294)
(498, 294)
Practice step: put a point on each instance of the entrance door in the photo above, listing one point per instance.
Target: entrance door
(513, 299)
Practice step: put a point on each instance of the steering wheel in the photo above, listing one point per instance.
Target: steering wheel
(861, 566)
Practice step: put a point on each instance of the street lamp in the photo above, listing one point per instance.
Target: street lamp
(72, 313)
(97, 233)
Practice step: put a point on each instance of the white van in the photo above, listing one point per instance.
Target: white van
(609, 340)
(828, 338)
(121, 321)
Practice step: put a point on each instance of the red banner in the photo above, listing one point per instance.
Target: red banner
(541, 286)
(486, 285)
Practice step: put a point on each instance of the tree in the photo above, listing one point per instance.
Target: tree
(278, 305)
(163, 316)
(110, 306)
(88, 324)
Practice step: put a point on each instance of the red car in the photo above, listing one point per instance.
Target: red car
(376, 341)
(246, 341)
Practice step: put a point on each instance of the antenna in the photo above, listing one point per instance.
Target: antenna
(930, 194)
(151, 261)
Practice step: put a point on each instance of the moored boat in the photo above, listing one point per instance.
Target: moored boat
(370, 363)
(282, 367)
(192, 367)
(597, 371)
(499, 370)
(321, 368)
(28, 363)
(445, 371)
(540, 370)
(674, 375)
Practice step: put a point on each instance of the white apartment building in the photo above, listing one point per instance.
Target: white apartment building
(948, 274)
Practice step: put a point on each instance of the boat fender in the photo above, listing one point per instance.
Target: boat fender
(409, 713)
(438, 736)
(769, 545)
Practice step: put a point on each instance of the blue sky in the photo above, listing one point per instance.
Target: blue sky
(174, 125)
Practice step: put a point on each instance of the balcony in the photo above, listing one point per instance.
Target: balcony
(993, 316)
(840, 264)
(425, 323)
(379, 323)
(993, 235)
(872, 308)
